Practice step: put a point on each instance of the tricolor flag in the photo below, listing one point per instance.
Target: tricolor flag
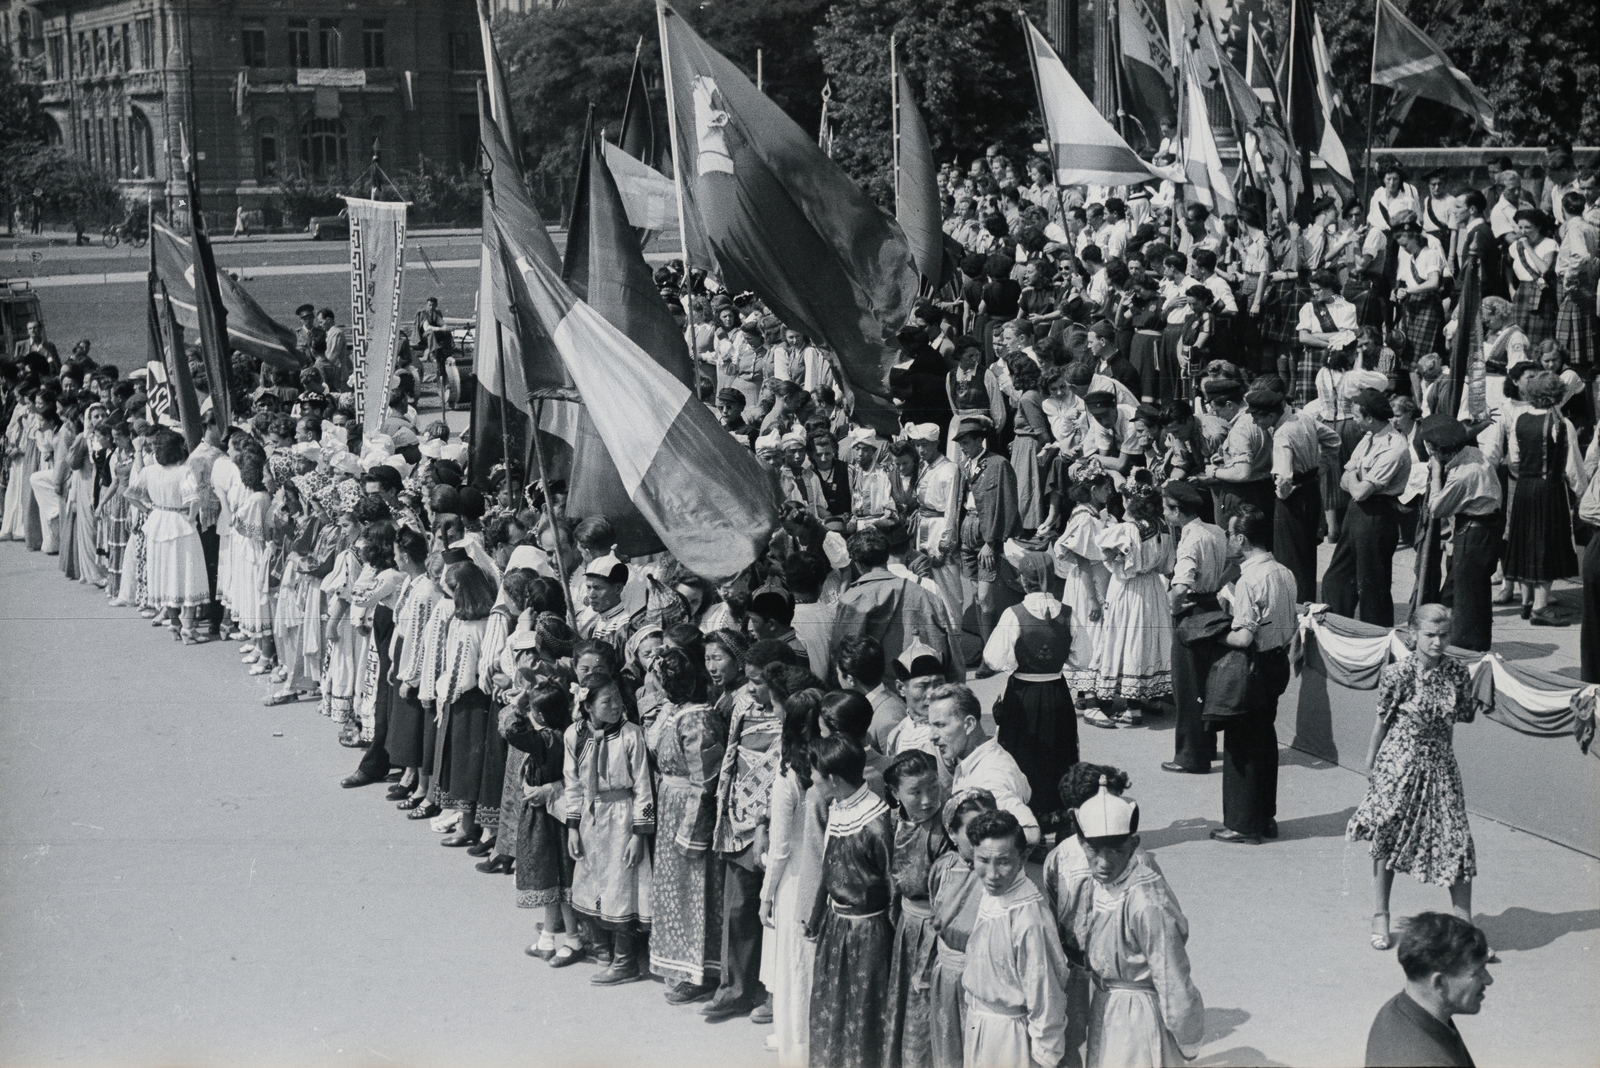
(1202, 162)
(1331, 150)
(1147, 64)
(250, 328)
(702, 492)
(1083, 146)
(1407, 60)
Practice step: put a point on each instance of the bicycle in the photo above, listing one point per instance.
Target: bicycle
(116, 233)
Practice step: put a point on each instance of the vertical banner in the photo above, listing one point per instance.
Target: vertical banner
(377, 265)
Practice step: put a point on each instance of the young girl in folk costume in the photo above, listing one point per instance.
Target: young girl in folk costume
(344, 647)
(799, 818)
(535, 724)
(954, 890)
(116, 512)
(687, 739)
(297, 611)
(22, 454)
(135, 589)
(850, 917)
(919, 841)
(461, 708)
(252, 562)
(372, 608)
(1545, 458)
(81, 481)
(610, 820)
(496, 684)
(176, 563)
(430, 661)
(418, 593)
(1133, 663)
(226, 489)
(1081, 565)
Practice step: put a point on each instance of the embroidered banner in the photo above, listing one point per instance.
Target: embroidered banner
(377, 266)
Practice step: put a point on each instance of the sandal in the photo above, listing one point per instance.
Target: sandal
(406, 804)
(288, 698)
(260, 669)
(426, 812)
(1381, 940)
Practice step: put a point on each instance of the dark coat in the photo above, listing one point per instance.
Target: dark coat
(1404, 1034)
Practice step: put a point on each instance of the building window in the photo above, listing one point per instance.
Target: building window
(328, 43)
(147, 43)
(99, 52)
(253, 38)
(141, 145)
(58, 58)
(116, 49)
(299, 43)
(324, 151)
(85, 56)
(267, 149)
(116, 147)
(460, 52)
(104, 154)
(372, 43)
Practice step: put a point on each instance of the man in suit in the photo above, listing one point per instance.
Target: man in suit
(1446, 961)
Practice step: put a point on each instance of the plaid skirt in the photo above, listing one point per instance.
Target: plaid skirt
(1534, 309)
(1280, 310)
(1424, 327)
(1576, 323)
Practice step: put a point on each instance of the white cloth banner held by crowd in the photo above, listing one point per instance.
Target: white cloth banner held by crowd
(377, 266)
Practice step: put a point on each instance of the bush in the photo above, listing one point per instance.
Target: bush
(300, 197)
(70, 188)
(441, 194)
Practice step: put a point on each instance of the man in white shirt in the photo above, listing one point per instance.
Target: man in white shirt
(1440, 212)
(976, 760)
(1114, 238)
(1203, 268)
(1503, 216)
(1327, 320)
(1392, 197)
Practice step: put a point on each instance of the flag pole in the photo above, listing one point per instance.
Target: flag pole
(677, 180)
(1044, 118)
(1372, 97)
(505, 426)
(894, 115)
(550, 511)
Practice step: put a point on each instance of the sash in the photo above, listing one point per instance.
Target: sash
(1324, 318)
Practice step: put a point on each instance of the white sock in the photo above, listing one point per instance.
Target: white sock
(547, 940)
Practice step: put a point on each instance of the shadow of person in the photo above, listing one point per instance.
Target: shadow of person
(1220, 1023)
(1523, 929)
(1177, 832)
(1239, 1057)
(1327, 825)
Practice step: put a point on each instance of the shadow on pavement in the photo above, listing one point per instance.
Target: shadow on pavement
(1327, 825)
(1290, 757)
(1220, 1023)
(1523, 929)
(1239, 1057)
(1525, 650)
(1177, 832)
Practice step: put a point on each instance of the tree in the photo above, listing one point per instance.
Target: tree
(1538, 63)
(563, 59)
(965, 59)
(22, 120)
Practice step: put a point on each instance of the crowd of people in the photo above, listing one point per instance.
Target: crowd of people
(1116, 457)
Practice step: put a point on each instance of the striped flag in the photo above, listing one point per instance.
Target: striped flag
(1202, 161)
(1407, 60)
(916, 187)
(1086, 150)
(704, 494)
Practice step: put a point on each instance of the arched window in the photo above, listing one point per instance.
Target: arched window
(141, 144)
(324, 151)
(267, 149)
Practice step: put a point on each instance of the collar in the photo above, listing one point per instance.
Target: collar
(1041, 603)
(854, 812)
(971, 760)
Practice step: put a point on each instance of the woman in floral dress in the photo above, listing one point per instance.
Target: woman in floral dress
(1133, 664)
(1415, 813)
(116, 510)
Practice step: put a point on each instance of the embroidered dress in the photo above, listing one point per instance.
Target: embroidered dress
(464, 716)
(22, 454)
(686, 921)
(850, 918)
(1079, 562)
(1415, 811)
(115, 521)
(1134, 659)
(908, 1015)
(341, 659)
(749, 764)
(954, 890)
(404, 740)
(607, 787)
(544, 867)
(176, 565)
(251, 568)
(372, 612)
(293, 630)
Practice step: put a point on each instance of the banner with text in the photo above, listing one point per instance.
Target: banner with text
(377, 265)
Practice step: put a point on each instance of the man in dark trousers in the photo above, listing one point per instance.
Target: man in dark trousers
(1202, 564)
(1446, 961)
(1263, 624)
(1360, 574)
(1463, 488)
(987, 494)
(1299, 444)
(1241, 471)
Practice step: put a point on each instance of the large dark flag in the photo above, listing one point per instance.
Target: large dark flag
(916, 188)
(604, 267)
(783, 221)
(1407, 60)
(211, 316)
(638, 134)
(169, 389)
(1147, 69)
(250, 329)
(703, 493)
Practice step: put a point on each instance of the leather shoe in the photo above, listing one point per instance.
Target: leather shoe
(1173, 765)
(1222, 834)
(621, 970)
(721, 1011)
(685, 993)
(358, 779)
(761, 1015)
(500, 865)
(397, 792)
(481, 849)
(455, 841)
(1272, 829)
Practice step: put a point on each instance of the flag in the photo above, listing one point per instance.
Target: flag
(649, 196)
(1258, 67)
(494, 71)
(783, 221)
(1202, 162)
(702, 492)
(1331, 150)
(176, 358)
(1297, 80)
(250, 329)
(1147, 66)
(211, 318)
(1085, 148)
(604, 267)
(377, 267)
(916, 188)
(1407, 60)
(638, 134)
